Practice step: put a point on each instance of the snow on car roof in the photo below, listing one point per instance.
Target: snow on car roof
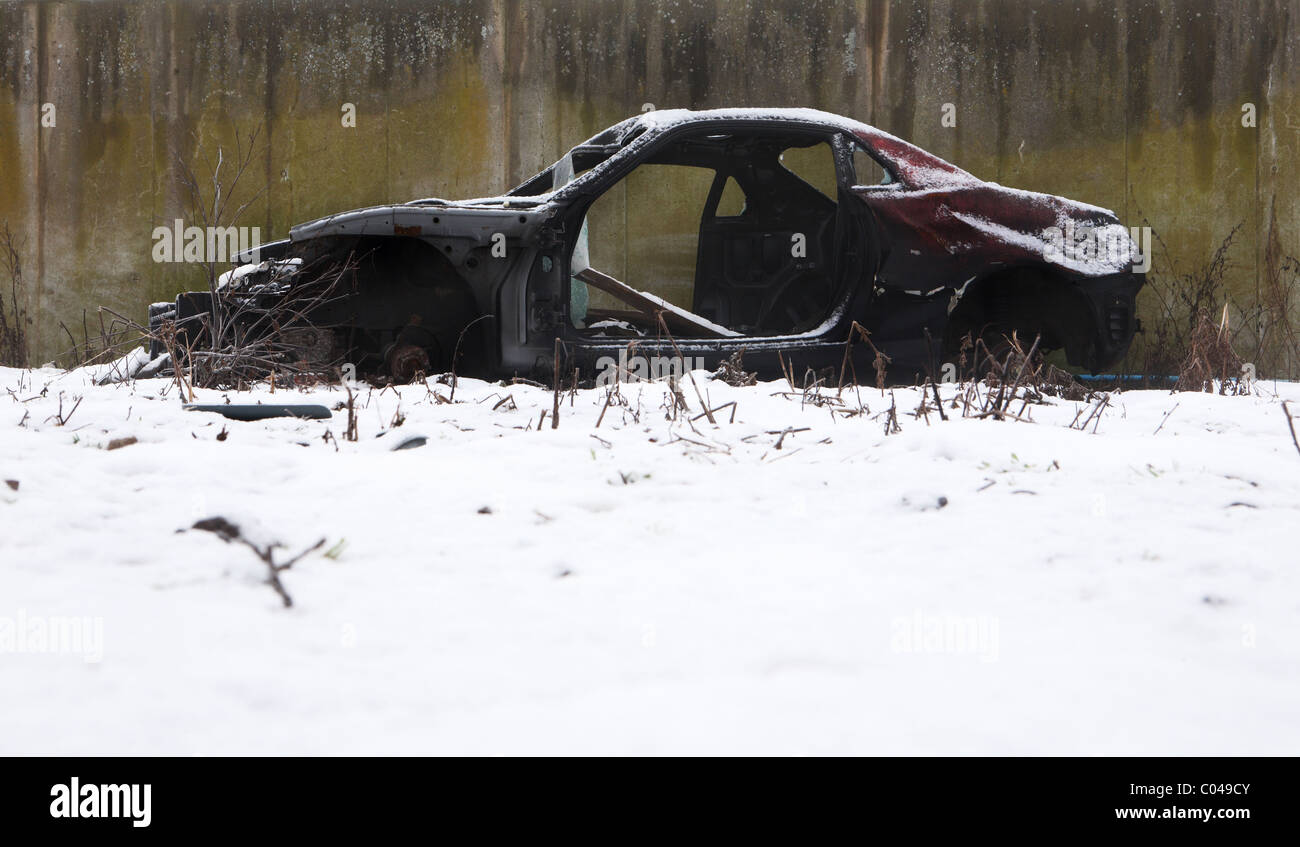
(916, 167)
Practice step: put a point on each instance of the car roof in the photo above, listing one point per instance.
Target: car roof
(917, 167)
(665, 118)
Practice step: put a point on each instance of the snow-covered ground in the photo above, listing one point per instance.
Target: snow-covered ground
(648, 585)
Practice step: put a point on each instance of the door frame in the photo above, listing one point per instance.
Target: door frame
(856, 269)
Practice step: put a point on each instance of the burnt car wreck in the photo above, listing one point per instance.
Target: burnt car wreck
(684, 234)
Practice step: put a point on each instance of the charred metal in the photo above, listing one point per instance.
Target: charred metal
(771, 231)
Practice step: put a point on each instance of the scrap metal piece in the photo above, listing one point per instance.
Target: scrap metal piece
(262, 411)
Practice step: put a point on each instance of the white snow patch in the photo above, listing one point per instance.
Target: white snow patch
(1099, 264)
(651, 586)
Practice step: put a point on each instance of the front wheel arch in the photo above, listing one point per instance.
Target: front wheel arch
(1028, 302)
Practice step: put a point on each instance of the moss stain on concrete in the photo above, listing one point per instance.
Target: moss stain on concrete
(1133, 107)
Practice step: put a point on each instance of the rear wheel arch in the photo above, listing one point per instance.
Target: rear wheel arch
(403, 293)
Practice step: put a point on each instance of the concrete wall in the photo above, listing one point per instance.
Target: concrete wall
(1135, 105)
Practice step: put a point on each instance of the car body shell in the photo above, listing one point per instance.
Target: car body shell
(924, 244)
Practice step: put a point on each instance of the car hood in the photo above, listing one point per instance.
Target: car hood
(970, 220)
